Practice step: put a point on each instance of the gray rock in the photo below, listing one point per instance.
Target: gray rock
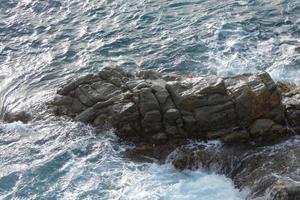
(172, 115)
(192, 93)
(101, 120)
(190, 124)
(107, 72)
(87, 95)
(62, 100)
(254, 96)
(265, 130)
(161, 94)
(171, 130)
(261, 127)
(291, 101)
(87, 115)
(236, 137)
(284, 189)
(215, 117)
(270, 172)
(153, 116)
(149, 74)
(185, 106)
(148, 101)
(17, 116)
(67, 89)
(103, 91)
(159, 138)
(293, 117)
(77, 106)
(156, 109)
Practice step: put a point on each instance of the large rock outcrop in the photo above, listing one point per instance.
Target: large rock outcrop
(156, 107)
(249, 111)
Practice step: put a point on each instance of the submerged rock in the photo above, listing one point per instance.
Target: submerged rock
(269, 172)
(17, 116)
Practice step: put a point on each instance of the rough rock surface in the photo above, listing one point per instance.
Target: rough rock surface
(291, 101)
(159, 112)
(269, 172)
(17, 116)
(153, 107)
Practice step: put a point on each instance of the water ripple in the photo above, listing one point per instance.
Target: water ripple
(44, 43)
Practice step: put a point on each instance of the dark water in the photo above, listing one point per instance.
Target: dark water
(43, 43)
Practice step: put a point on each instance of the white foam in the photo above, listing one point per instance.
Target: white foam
(165, 182)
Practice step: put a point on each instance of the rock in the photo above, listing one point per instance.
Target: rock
(291, 101)
(246, 112)
(163, 97)
(190, 124)
(261, 126)
(159, 138)
(236, 137)
(215, 117)
(293, 117)
(284, 190)
(212, 135)
(192, 93)
(172, 77)
(254, 96)
(183, 106)
(152, 116)
(171, 116)
(265, 130)
(21, 116)
(184, 159)
(149, 74)
(277, 115)
(171, 130)
(67, 89)
(77, 106)
(135, 85)
(269, 172)
(87, 95)
(108, 72)
(62, 100)
(148, 101)
(105, 91)
(100, 120)
(87, 115)
(103, 104)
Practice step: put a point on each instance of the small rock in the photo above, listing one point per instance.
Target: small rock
(17, 116)
(236, 137)
(149, 74)
(285, 190)
(62, 100)
(86, 116)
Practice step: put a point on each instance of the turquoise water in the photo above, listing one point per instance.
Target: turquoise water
(44, 43)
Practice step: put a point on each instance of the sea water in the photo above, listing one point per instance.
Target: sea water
(45, 43)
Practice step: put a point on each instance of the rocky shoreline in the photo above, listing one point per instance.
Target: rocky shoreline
(248, 113)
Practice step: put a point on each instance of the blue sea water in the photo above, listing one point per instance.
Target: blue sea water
(44, 43)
